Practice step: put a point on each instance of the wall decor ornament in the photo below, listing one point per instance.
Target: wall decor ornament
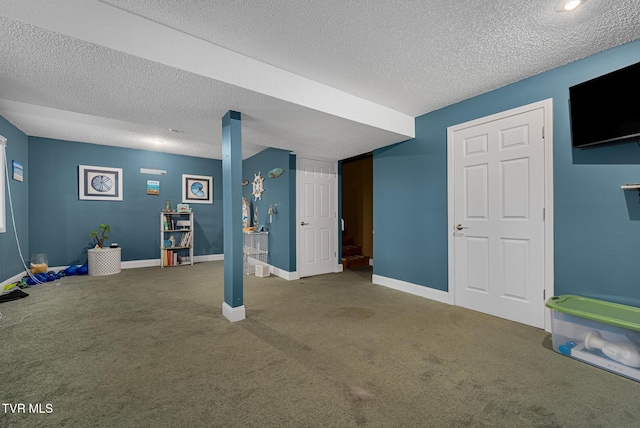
(18, 171)
(275, 172)
(153, 187)
(258, 186)
(197, 189)
(99, 183)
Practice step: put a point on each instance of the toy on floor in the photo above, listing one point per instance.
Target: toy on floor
(41, 278)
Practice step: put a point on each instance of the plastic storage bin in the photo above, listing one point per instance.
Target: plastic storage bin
(604, 334)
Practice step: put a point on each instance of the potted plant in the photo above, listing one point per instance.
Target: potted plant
(100, 235)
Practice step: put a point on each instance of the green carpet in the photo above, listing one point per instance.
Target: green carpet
(150, 348)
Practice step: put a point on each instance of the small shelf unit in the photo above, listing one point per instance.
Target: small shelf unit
(255, 248)
(176, 239)
(630, 187)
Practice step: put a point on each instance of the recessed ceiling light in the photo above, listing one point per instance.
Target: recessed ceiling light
(572, 4)
(568, 5)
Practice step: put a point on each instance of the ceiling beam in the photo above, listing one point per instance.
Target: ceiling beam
(111, 27)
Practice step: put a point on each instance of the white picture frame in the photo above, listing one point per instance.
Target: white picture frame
(197, 189)
(99, 183)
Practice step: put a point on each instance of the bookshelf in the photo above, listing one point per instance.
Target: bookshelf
(176, 239)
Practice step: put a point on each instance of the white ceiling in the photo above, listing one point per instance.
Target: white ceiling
(326, 79)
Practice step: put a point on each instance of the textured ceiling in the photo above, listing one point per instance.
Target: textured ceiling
(330, 79)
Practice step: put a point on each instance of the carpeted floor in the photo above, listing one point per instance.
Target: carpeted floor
(150, 348)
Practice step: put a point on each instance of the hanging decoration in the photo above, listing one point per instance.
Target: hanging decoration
(258, 188)
(275, 173)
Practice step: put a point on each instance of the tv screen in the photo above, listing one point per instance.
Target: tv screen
(605, 109)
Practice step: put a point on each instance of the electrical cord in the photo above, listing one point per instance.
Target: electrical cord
(13, 221)
(15, 232)
(17, 322)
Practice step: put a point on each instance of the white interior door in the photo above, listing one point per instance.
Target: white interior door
(498, 216)
(316, 187)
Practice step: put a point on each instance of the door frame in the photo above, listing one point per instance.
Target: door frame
(547, 106)
(334, 227)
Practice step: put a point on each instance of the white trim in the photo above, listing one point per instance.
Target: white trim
(131, 264)
(15, 278)
(208, 258)
(289, 276)
(547, 106)
(549, 243)
(233, 314)
(417, 290)
(336, 232)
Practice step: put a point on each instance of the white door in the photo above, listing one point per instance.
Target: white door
(498, 216)
(316, 184)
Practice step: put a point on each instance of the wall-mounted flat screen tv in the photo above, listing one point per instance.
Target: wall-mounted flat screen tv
(605, 109)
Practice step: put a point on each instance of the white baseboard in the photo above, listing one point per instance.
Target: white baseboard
(408, 287)
(133, 264)
(130, 264)
(13, 279)
(208, 258)
(339, 268)
(233, 314)
(370, 262)
(289, 276)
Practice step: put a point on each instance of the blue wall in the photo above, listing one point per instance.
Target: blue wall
(281, 191)
(17, 149)
(597, 225)
(59, 223)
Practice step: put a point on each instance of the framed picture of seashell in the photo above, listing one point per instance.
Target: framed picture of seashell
(197, 189)
(99, 183)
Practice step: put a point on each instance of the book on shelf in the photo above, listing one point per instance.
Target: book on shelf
(168, 223)
(185, 241)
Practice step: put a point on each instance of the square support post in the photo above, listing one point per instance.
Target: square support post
(233, 305)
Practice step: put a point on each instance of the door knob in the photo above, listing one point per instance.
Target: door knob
(460, 227)
(302, 223)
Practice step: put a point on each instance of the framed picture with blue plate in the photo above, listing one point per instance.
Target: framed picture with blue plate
(99, 183)
(197, 189)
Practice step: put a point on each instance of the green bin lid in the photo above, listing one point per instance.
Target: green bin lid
(597, 310)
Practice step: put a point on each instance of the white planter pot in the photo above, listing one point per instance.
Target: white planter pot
(104, 261)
